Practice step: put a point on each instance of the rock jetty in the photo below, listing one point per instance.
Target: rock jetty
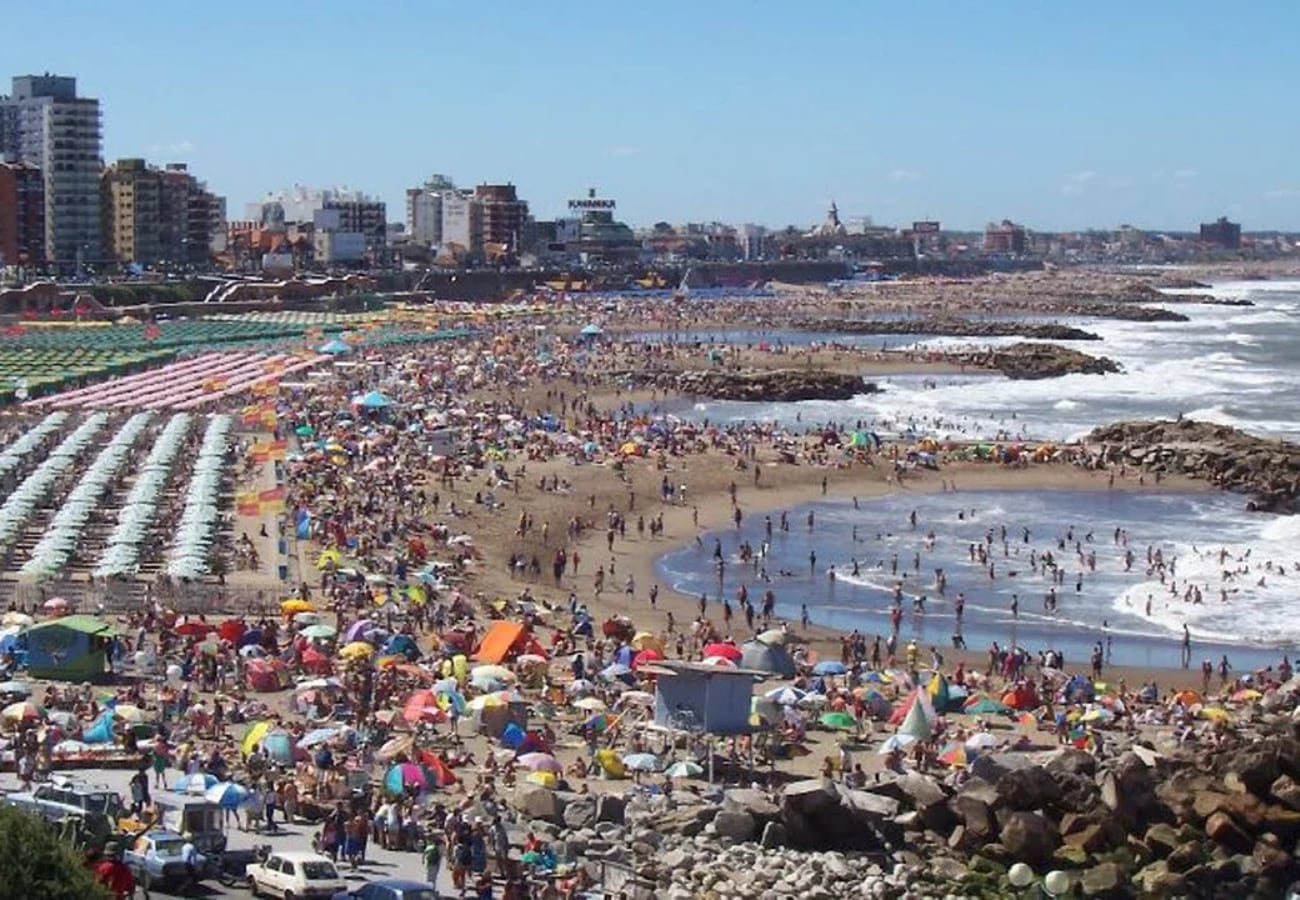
(1027, 361)
(1149, 817)
(1266, 470)
(1042, 331)
(773, 385)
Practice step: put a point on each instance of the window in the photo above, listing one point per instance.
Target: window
(273, 864)
(288, 867)
(319, 870)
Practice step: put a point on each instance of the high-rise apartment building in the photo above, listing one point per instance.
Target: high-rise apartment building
(503, 215)
(45, 123)
(22, 215)
(424, 210)
(154, 215)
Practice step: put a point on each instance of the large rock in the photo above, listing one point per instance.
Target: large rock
(737, 825)
(819, 814)
(1223, 830)
(1027, 789)
(1286, 791)
(774, 385)
(754, 802)
(1128, 789)
(611, 808)
(992, 766)
(686, 821)
(1035, 361)
(1029, 838)
(976, 815)
(580, 812)
(1073, 761)
(537, 802)
(950, 327)
(1105, 880)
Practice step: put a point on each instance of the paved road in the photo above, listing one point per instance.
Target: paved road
(381, 864)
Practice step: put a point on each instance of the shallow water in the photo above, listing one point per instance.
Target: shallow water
(1255, 626)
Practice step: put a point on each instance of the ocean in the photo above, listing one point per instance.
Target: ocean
(1233, 365)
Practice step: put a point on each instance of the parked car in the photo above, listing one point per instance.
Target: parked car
(155, 860)
(294, 875)
(63, 797)
(390, 889)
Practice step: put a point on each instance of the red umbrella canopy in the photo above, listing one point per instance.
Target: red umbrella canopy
(726, 651)
(646, 656)
(231, 630)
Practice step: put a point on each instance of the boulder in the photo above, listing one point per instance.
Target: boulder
(992, 766)
(611, 808)
(1286, 791)
(685, 821)
(1027, 789)
(928, 798)
(1156, 880)
(1223, 830)
(1077, 793)
(773, 836)
(1105, 880)
(976, 816)
(1161, 839)
(1074, 761)
(819, 814)
(774, 385)
(1029, 838)
(537, 802)
(754, 802)
(736, 825)
(580, 812)
(1255, 769)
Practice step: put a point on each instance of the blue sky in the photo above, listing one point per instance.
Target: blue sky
(1160, 114)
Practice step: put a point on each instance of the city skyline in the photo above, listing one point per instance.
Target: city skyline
(736, 113)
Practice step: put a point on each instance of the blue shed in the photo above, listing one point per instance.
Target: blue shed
(697, 697)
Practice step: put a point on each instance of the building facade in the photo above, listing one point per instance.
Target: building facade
(1005, 237)
(502, 215)
(462, 228)
(424, 210)
(1222, 233)
(45, 123)
(22, 215)
(153, 215)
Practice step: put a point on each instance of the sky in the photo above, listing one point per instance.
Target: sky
(1158, 114)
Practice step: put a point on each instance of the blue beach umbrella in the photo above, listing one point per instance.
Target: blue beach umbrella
(829, 667)
(196, 783)
(227, 795)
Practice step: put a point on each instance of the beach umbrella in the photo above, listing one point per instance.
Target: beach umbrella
(540, 762)
(786, 696)
(319, 632)
(916, 724)
(614, 671)
(1215, 714)
(15, 688)
(719, 662)
(492, 672)
(23, 711)
(196, 783)
(684, 769)
(724, 651)
(320, 736)
(954, 754)
(227, 795)
(1186, 697)
(642, 762)
(296, 605)
(812, 700)
(981, 740)
(356, 650)
(423, 706)
(896, 742)
(773, 637)
(128, 712)
(545, 779)
(16, 618)
(372, 400)
(644, 640)
(840, 721)
(254, 736)
(986, 706)
(591, 704)
(1027, 720)
(1097, 714)
(405, 775)
(193, 629)
(486, 701)
(402, 745)
(208, 648)
(829, 667)
(357, 630)
(1246, 695)
(278, 746)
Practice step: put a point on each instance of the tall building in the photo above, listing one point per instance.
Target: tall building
(1222, 233)
(462, 218)
(503, 215)
(154, 215)
(424, 210)
(45, 123)
(22, 215)
(1006, 237)
(356, 215)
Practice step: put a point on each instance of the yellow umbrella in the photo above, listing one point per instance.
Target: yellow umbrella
(254, 735)
(611, 763)
(644, 640)
(1215, 714)
(129, 713)
(591, 704)
(478, 704)
(329, 556)
(356, 650)
(545, 779)
(295, 605)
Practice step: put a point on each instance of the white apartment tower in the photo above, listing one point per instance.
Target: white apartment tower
(45, 123)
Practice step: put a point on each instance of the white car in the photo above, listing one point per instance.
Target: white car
(294, 876)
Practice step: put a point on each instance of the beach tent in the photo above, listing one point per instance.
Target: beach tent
(916, 724)
(372, 400)
(71, 648)
(498, 642)
(767, 658)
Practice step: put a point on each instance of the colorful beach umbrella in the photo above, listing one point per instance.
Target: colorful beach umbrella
(254, 735)
(841, 721)
(986, 706)
(953, 754)
(540, 762)
(895, 743)
(642, 762)
(196, 783)
(405, 775)
(227, 795)
(684, 769)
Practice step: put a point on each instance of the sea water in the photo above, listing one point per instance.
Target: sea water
(1257, 624)
(1231, 365)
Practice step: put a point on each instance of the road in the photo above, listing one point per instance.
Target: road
(380, 863)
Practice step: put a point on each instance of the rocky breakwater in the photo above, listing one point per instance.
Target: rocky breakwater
(949, 327)
(1027, 361)
(1266, 470)
(773, 385)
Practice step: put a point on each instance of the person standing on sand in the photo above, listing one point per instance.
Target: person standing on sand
(1187, 647)
(812, 561)
(803, 614)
